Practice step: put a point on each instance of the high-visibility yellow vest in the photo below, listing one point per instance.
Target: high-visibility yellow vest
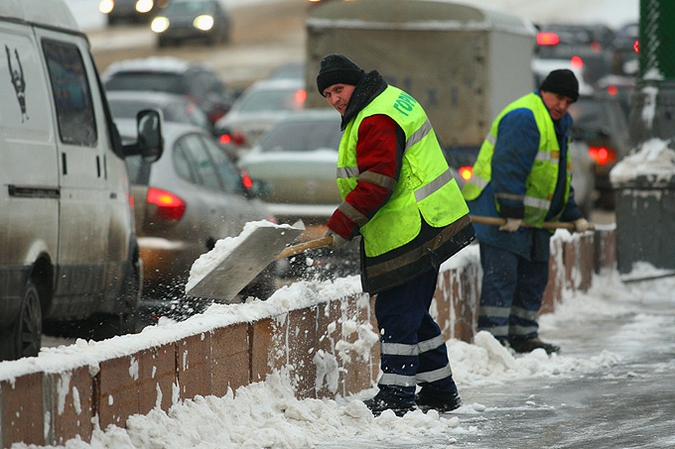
(543, 177)
(425, 185)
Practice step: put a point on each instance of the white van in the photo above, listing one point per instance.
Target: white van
(67, 244)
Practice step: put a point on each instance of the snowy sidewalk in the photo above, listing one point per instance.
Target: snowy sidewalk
(612, 386)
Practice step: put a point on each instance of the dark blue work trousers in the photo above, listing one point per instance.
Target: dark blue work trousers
(412, 348)
(511, 294)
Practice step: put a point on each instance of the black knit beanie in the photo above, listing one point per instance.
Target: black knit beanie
(563, 82)
(337, 69)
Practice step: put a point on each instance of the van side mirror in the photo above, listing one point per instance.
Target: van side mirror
(150, 143)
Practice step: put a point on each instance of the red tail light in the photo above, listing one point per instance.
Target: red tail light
(300, 96)
(225, 139)
(547, 39)
(577, 62)
(246, 179)
(169, 206)
(612, 90)
(636, 46)
(466, 172)
(602, 155)
(235, 138)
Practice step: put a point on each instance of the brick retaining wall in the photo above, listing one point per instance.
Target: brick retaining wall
(44, 407)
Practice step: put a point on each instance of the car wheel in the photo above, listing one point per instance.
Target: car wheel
(24, 336)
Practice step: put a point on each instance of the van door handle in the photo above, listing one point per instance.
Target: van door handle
(113, 195)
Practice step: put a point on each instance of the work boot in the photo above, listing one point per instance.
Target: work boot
(437, 400)
(530, 344)
(377, 405)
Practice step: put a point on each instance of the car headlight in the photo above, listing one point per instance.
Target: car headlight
(106, 6)
(159, 24)
(144, 6)
(204, 23)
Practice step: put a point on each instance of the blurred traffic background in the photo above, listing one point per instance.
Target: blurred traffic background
(242, 143)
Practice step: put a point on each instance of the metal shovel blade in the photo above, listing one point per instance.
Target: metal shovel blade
(244, 262)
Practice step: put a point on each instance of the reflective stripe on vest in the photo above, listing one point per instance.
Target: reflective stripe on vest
(543, 177)
(425, 183)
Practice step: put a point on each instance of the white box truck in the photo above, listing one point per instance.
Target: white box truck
(462, 63)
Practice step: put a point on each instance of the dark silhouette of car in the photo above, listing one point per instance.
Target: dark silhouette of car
(134, 11)
(192, 20)
(197, 81)
(174, 107)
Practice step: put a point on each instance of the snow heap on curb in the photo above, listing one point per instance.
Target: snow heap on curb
(268, 415)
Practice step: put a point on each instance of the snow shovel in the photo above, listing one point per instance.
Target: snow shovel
(231, 271)
(495, 221)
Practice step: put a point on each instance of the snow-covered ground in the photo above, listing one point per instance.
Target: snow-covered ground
(267, 415)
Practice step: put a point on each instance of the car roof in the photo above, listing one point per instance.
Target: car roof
(276, 83)
(318, 114)
(55, 14)
(152, 96)
(166, 64)
(170, 130)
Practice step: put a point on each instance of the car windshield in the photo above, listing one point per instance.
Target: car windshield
(184, 8)
(274, 100)
(162, 82)
(302, 136)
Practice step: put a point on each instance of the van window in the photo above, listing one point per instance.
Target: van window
(72, 96)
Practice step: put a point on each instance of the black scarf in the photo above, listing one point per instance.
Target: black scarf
(370, 86)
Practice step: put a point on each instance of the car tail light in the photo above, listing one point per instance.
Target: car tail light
(235, 138)
(300, 96)
(547, 39)
(636, 46)
(246, 179)
(602, 155)
(576, 62)
(169, 206)
(465, 172)
(612, 90)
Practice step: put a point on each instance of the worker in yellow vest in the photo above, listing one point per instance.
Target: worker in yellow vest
(399, 195)
(522, 173)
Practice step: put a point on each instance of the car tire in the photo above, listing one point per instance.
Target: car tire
(24, 337)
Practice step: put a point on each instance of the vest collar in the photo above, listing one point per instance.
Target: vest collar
(370, 86)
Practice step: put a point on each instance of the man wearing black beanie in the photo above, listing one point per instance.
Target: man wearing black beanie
(400, 196)
(522, 175)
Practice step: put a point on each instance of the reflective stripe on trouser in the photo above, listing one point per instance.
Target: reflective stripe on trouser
(511, 293)
(412, 348)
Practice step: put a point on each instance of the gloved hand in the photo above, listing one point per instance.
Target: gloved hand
(581, 225)
(512, 225)
(338, 240)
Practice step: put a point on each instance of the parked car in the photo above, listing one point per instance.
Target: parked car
(297, 159)
(600, 121)
(189, 199)
(68, 250)
(130, 10)
(258, 107)
(175, 108)
(185, 20)
(197, 81)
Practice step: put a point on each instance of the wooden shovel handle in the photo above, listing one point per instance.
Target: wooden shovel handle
(302, 247)
(497, 221)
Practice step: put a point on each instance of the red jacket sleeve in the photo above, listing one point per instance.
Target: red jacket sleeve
(379, 150)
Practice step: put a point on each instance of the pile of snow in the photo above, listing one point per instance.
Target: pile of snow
(654, 159)
(268, 415)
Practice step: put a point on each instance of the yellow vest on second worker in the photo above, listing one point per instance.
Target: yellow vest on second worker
(425, 184)
(541, 181)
